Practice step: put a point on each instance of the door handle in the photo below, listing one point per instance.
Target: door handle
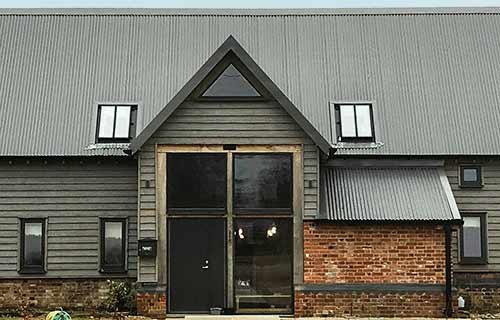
(206, 265)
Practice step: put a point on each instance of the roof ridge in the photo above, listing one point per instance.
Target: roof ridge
(252, 12)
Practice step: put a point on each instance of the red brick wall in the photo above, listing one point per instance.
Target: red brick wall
(372, 254)
(153, 304)
(388, 253)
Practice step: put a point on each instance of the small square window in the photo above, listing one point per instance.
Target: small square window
(354, 123)
(113, 245)
(32, 250)
(473, 239)
(116, 123)
(470, 176)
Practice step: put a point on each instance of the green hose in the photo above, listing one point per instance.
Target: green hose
(58, 315)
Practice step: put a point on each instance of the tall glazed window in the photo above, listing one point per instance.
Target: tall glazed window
(263, 232)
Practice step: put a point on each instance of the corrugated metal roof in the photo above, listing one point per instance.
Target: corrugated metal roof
(386, 194)
(248, 12)
(432, 75)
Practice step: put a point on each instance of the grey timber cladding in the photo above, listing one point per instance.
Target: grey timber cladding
(72, 194)
(431, 73)
(222, 123)
(385, 194)
(485, 199)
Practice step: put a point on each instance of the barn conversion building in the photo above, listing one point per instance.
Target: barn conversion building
(306, 162)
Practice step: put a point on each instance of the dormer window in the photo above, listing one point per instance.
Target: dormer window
(354, 122)
(115, 123)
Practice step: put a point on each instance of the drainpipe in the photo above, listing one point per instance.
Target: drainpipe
(447, 244)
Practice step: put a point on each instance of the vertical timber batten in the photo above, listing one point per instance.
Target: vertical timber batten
(229, 231)
(161, 211)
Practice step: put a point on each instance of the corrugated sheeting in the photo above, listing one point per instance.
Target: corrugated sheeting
(385, 194)
(433, 77)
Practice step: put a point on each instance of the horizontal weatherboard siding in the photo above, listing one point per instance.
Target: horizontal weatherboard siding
(73, 195)
(485, 199)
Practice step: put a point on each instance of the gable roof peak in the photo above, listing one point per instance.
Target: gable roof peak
(230, 45)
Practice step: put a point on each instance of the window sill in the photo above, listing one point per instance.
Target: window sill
(471, 263)
(29, 271)
(114, 271)
(471, 186)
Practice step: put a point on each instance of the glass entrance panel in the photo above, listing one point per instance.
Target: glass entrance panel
(263, 265)
(196, 183)
(263, 183)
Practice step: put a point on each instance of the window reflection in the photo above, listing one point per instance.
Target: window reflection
(263, 265)
(263, 183)
(231, 83)
(113, 246)
(472, 237)
(196, 182)
(33, 244)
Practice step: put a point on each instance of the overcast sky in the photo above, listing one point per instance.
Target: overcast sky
(245, 4)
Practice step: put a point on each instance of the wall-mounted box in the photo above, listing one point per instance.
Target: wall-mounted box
(147, 248)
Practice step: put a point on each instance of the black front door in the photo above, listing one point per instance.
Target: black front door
(196, 264)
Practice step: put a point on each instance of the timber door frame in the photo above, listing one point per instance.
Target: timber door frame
(161, 151)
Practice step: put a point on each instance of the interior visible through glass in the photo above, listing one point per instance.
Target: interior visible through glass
(263, 265)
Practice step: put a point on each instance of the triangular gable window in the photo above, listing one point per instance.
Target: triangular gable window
(231, 84)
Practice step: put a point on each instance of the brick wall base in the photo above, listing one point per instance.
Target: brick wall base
(481, 291)
(152, 304)
(314, 304)
(51, 294)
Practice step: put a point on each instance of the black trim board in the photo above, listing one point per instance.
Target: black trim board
(369, 287)
(231, 45)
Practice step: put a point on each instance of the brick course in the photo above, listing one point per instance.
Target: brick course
(308, 304)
